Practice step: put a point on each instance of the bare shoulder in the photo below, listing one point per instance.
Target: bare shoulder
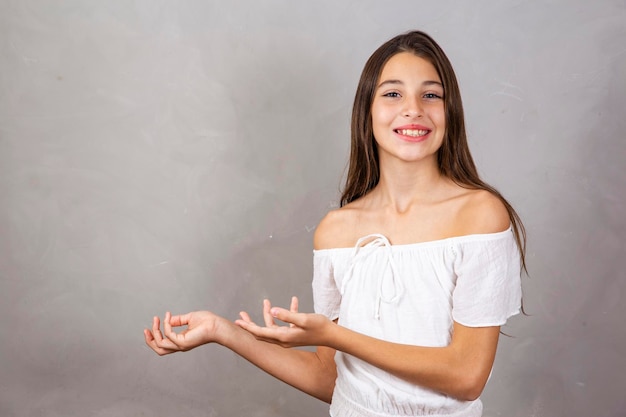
(335, 229)
(483, 212)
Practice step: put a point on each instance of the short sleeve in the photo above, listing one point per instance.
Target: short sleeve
(488, 285)
(326, 296)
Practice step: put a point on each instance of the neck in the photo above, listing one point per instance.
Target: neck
(403, 185)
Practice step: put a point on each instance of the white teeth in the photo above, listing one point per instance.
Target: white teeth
(413, 132)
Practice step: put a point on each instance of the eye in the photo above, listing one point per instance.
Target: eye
(432, 96)
(393, 94)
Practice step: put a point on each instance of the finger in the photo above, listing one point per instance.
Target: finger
(147, 335)
(149, 338)
(256, 330)
(294, 307)
(156, 329)
(277, 335)
(286, 316)
(245, 316)
(167, 325)
(244, 324)
(294, 304)
(180, 320)
(249, 326)
(169, 333)
(152, 343)
(159, 340)
(267, 315)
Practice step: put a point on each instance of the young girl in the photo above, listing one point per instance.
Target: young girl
(413, 275)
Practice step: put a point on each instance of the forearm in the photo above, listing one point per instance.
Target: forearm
(311, 372)
(459, 369)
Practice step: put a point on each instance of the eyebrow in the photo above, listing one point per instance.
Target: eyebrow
(396, 82)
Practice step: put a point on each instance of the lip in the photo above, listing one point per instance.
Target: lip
(407, 138)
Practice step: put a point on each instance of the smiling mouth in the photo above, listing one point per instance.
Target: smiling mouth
(414, 133)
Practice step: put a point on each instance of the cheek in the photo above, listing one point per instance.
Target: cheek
(439, 119)
(376, 132)
(377, 123)
(382, 113)
(376, 116)
(442, 117)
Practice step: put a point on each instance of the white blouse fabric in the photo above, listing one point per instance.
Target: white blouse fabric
(411, 294)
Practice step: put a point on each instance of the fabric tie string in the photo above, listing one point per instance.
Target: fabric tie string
(358, 254)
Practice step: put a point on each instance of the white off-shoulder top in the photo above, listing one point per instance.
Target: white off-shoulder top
(411, 294)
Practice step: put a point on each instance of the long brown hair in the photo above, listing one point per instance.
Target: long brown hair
(453, 157)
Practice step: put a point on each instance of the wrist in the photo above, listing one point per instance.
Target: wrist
(332, 334)
(223, 331)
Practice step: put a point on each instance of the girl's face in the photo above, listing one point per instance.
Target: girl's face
(408, 115)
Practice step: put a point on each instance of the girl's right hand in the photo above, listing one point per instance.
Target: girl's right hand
(201, 329)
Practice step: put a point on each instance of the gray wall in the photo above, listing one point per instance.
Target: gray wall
(177, 155)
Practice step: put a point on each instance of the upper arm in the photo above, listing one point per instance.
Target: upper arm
(476, 346)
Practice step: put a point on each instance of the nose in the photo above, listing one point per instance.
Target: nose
(412, 108)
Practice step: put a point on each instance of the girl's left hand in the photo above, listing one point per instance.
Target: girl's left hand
(303, 330)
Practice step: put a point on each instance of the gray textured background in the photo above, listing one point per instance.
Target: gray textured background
(177, 155)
